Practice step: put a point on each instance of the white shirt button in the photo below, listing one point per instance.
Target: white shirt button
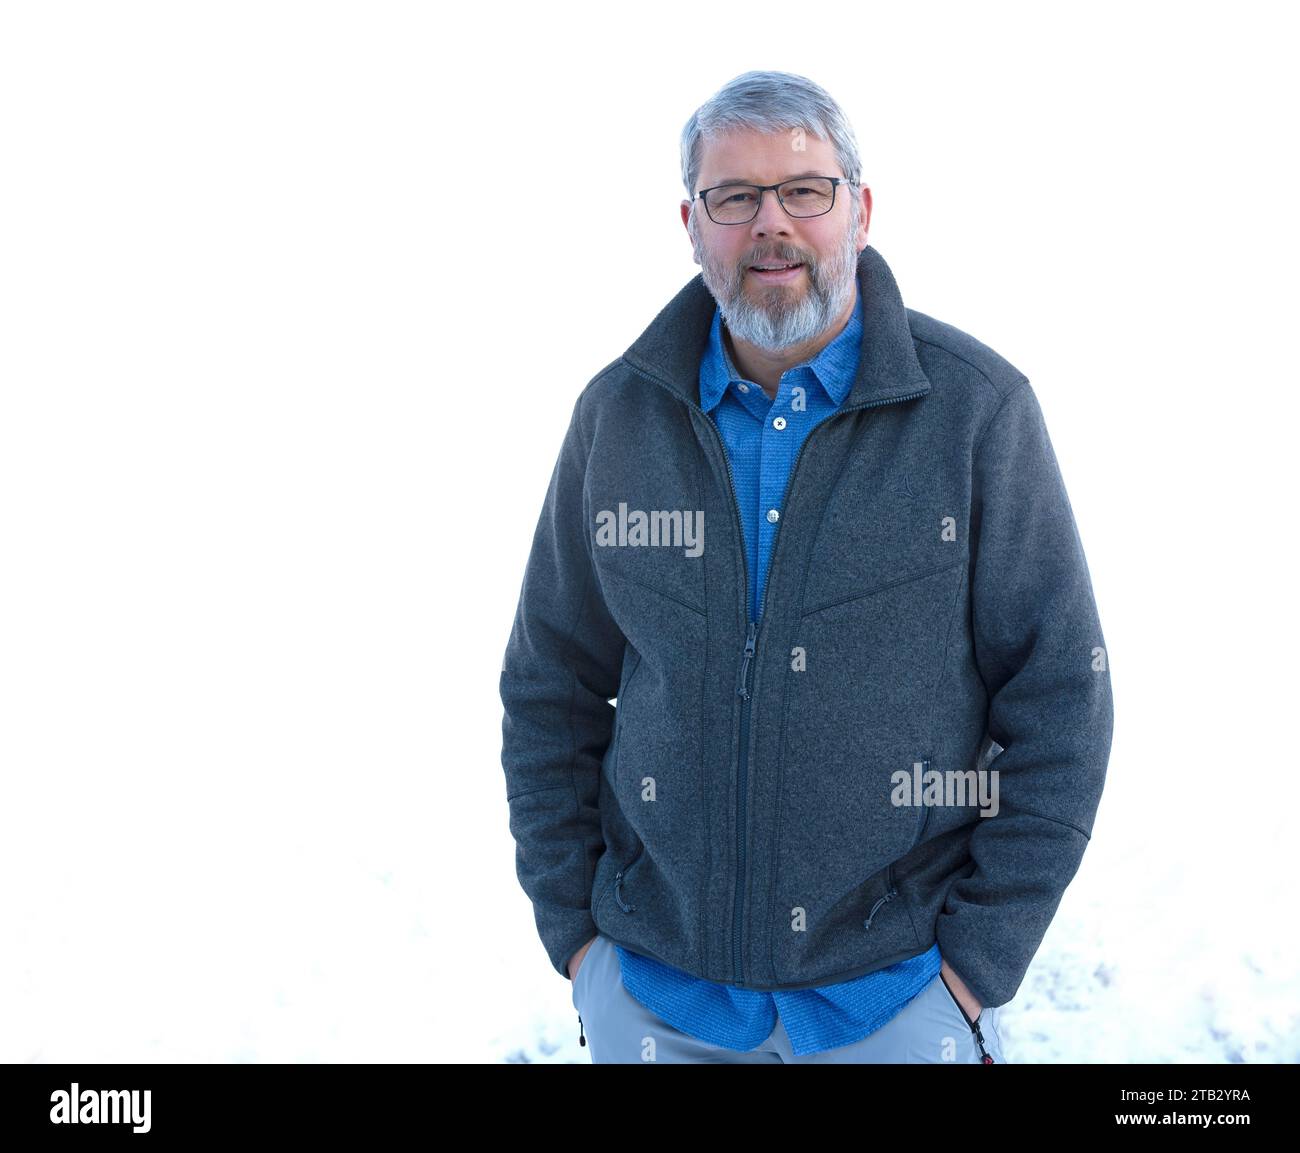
(773, 516)
(779, 423)
(743, 386)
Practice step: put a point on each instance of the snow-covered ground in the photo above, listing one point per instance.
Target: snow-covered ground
(340, 962)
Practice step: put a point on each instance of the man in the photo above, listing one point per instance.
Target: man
(862, 728)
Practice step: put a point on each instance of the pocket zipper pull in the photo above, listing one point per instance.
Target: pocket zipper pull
(581, 1039)
(887, 897)
(618, 885)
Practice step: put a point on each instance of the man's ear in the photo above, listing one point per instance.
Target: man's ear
(686, 216)
(864, 219)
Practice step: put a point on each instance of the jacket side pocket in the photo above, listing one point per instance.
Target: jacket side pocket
(629, 671)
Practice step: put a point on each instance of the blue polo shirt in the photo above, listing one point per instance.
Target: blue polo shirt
(762, 456)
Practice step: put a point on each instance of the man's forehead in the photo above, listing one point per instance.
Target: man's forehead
(762, 158)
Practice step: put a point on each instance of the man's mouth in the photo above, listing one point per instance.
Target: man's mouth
(775, 273)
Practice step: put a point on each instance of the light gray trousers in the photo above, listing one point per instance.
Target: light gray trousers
(930, 1028)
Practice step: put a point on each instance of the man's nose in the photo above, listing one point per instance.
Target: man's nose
(771, 217)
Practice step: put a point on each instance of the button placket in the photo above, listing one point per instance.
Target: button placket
(776, 425)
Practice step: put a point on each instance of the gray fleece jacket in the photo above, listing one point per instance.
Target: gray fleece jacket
(909, 746)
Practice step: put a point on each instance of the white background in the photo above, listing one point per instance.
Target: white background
(281, 398)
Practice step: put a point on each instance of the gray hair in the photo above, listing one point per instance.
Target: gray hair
(769, 102)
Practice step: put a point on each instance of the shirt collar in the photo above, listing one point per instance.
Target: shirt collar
(835, 367)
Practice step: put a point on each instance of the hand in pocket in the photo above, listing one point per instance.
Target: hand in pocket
(575, 962)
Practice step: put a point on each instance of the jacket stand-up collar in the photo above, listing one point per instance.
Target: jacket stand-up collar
(672, 347)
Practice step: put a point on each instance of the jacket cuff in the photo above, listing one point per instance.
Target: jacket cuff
(995, 919)
(562, 943)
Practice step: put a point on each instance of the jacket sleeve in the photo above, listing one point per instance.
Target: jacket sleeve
(562, 665)
(1039, 648)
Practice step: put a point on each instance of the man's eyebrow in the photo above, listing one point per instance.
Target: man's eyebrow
(796, 176)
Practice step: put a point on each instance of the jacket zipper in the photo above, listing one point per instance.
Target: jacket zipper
(751, 636)
(742, 775)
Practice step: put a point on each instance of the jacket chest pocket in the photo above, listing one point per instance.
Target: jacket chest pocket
(886, 527)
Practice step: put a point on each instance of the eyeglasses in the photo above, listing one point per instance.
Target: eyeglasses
(801, 198)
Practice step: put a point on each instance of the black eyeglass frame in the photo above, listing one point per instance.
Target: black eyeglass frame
(836, 181)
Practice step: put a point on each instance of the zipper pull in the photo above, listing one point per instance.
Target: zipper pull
(887, 897)
(618, 884)
(743, 690)
(581, 1039)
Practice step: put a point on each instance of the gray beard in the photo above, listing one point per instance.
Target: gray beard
(775, 318)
